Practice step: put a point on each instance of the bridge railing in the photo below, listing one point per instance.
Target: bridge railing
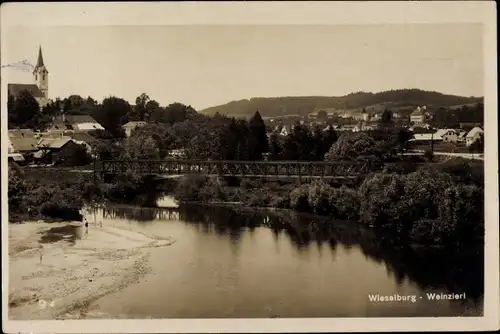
(238, 168)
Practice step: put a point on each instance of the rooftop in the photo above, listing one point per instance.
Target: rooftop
(474, 132)
(15, 89)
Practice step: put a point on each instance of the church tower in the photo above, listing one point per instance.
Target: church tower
(41, 75)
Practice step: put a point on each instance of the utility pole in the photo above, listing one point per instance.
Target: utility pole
(432, 143)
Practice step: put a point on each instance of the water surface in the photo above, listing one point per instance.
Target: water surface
(226, 264)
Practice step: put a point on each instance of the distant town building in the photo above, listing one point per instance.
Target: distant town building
(284, 131)
(418, 115)
(461, 136)
(473, 135)
(24, 145)
(57, 148)
(425, 138)
(177, 153)
(448, 135)
(130, 126)
(80, 123)
(40, 88)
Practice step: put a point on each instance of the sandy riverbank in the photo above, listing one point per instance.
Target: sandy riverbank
(75, 268)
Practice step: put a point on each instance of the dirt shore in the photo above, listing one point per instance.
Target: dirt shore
(57, 269)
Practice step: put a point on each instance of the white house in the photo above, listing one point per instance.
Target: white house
(130, 126)
(284, 131)
(418, 115)
(473, 135)
(448, 135)
(425, 138)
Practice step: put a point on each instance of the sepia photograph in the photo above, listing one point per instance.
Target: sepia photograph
(241, 166)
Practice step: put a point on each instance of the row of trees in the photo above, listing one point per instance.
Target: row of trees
(217, 137)
(111, 113)
(223, 138)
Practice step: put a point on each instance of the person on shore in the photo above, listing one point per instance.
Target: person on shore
(86, 228)
(40, 250)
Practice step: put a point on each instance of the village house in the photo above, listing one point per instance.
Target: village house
(461, 136)
(418, 115)
(448, 135)
(21, 133)
(24, 145)
(347, 127)
(425, 138)
(284, 131)
(56, 148)
(473, 135)
(130, 126)
(330, 127)
(74, 123)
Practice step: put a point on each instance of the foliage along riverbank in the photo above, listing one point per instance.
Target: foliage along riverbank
(56, 195)
(430, 205)
(439, 204)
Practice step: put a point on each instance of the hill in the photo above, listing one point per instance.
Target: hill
(403, 99)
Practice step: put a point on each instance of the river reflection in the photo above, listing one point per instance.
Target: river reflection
(245, 263)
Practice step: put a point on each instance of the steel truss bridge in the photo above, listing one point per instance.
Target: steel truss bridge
(247, 169)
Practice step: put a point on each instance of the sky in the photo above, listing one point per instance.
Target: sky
(207, 65)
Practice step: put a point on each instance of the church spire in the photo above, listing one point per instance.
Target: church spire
(40, 63)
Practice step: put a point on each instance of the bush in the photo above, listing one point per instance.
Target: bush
(423, 190)
(464, 172)
(281, 202)
(16, 192)
(397, 202)
(428, 231)
(345, 203)
(251, 184)
(260, 198)
(319, 198)
(299, 199)
(461, 209)
(188, 188)
(380, 199)
(211, 191)
(199, 188)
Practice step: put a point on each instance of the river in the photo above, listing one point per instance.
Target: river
(229, 263)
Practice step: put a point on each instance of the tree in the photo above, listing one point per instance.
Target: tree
(299, 144)
(164, 140)
(173, 113)
(112, 114)
(478, 145)
(275, 147)
(72, 102)
(204, 145)
(258, 141)
(351, 146)
(142, 146)
(23, 109)
(318, 139)
(328, 140)
(322, 115)
(386, 120)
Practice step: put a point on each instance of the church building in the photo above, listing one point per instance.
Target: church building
(40, 88)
